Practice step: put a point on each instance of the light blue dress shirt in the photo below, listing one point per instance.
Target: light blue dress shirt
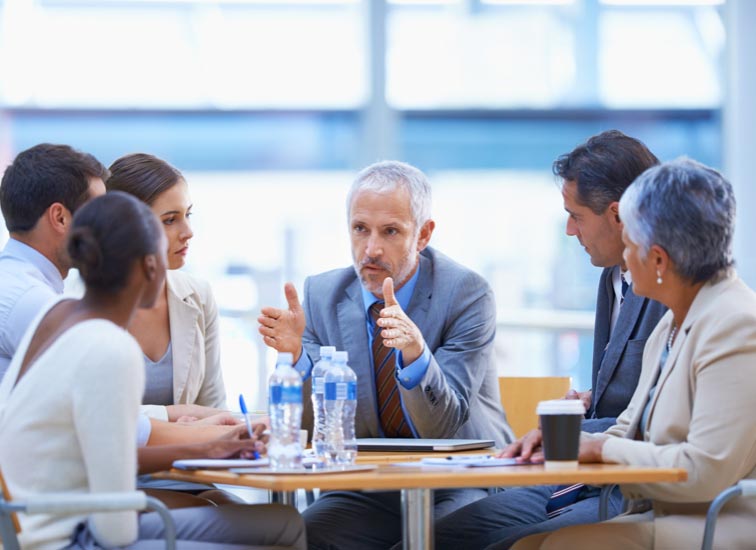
(409, 376)
(29, 282)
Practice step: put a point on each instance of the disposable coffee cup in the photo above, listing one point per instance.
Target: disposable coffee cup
(560, 426)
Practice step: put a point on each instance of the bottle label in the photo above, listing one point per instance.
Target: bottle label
(275, 395)
(340, 390)
(319, 385)
(291, 394)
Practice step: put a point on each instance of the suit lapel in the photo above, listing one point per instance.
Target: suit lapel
(626, 321)
(182, 318)
(352, 322)
(419, 303)
(667, 369)
(645, 391)
(603, 320)
(601, 328)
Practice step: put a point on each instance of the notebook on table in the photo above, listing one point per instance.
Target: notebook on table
(402, 444)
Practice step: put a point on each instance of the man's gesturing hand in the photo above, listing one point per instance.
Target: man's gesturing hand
(282, 329)
(398, 329)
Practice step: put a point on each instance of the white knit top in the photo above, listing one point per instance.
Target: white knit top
(69, 425)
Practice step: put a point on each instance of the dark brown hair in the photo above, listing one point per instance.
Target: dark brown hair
(603, 167)
(142, 175)
(41, 176)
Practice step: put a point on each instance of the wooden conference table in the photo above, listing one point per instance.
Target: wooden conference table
(416, 483)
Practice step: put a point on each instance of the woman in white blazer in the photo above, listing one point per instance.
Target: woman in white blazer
(179, 336)
(695, 404)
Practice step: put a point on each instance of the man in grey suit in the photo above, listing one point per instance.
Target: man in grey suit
(594, 176)
(419, 329)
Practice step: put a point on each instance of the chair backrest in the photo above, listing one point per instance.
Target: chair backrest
(520, 396)
(7, 498)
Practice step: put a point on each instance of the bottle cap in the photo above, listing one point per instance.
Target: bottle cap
(327, 351)
(285, 358)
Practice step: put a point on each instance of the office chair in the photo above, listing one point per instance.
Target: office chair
(745, 488)
(68, 503)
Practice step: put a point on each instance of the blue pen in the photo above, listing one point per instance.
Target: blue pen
(243, 407)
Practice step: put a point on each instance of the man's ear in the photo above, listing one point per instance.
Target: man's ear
(424, 236)
(614, 209)
(59, 217)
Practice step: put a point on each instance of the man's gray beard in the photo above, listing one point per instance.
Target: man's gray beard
(400, 280)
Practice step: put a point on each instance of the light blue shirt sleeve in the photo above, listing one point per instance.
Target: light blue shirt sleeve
(304, 365)
(144, 429)
(18, 319)
(411, 375)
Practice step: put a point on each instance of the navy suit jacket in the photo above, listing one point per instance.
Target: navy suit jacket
(458, 397)
(617, 360)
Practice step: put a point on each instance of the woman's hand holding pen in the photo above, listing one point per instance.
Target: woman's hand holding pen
(237, 443)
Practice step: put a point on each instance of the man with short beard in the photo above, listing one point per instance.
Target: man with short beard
(429, 321)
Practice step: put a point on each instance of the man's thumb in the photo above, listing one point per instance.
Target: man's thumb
(388, 292)
(291, 297)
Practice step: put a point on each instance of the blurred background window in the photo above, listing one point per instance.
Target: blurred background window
(270, 108)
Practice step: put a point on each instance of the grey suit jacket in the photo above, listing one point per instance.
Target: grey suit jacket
(617, 360)
(454, 309)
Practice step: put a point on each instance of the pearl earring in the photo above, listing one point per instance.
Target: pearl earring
(658, 277)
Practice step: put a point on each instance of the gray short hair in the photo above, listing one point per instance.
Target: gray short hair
(686, 208)
(390, 174)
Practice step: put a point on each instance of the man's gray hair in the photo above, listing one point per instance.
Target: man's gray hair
(390, 174)
(686, 208)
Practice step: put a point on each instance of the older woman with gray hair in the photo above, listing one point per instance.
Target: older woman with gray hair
(695, 404)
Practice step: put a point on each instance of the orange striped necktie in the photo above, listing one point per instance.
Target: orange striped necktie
(384, 362)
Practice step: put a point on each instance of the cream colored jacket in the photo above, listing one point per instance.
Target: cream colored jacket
(702, 418)
(195, 338)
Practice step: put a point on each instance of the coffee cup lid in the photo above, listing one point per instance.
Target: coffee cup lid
(561, 406)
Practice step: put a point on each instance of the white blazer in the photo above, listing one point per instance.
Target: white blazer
(195, 339)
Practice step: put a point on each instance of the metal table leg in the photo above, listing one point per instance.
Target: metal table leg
(606, 491)
(288, 498)
(417, 519)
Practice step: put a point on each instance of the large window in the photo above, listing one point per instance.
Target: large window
(270, 107)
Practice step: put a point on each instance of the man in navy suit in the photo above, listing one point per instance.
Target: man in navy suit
(419, 329)
(594, 176)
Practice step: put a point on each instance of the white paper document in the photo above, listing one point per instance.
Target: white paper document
(469, 461)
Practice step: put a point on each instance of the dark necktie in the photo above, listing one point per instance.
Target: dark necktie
(384, 362)
(562, 498)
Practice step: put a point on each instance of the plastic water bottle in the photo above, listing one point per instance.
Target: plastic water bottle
(340, 406)
(285, 395)
(318, 401)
